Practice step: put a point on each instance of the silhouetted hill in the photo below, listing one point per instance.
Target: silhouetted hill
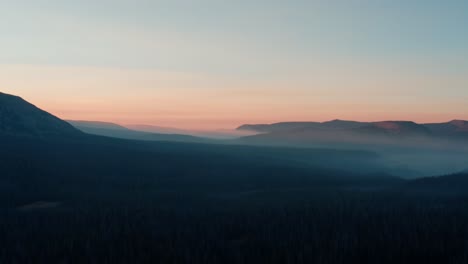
(20, 118)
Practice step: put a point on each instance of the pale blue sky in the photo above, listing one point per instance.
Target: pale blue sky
(338, 53)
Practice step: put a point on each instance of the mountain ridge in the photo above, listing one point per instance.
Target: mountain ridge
(108, 129)
(392, 127)
(21, 118)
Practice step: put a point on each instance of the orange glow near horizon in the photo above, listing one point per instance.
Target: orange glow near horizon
(201, 102)
(213, 119)
(215, 123)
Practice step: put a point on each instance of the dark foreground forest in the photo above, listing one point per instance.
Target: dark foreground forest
(97, 200)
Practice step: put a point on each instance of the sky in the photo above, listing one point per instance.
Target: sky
(213, 64)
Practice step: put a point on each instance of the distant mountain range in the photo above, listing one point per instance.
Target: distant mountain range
(214, 134)
(19, 118)
(342, 130)
(118, 131)
(149, 132)
(29, 132)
